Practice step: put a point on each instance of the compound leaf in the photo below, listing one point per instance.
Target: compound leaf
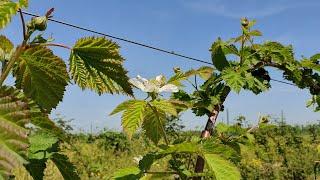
(132, 117)
(233, 79)
(7, 10)
(42, 76)
(95, 63)
(218, 57)
(153, 124)
(222, 168)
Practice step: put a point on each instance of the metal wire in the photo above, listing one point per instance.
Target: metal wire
(136, 43)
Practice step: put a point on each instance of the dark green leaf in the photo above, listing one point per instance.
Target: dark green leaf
(36, 168)
(42, 76)
(218, 57)
(66, 168)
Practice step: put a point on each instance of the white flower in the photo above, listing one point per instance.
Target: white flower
(156, 85)
(137, 159)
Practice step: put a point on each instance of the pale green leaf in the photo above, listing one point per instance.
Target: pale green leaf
(130, 173)
(165, 106)
(95, 63)
(42, 76)
(255, 33)
(205, 72)
(5, 44)
(310, 64)
(7, 10)
(153, 124)
(23, 3)
(222, 168)
(315, 58)
(123, 106)
(132, 117)
(177, 78)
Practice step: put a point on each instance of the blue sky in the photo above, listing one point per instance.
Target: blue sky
(187, 27)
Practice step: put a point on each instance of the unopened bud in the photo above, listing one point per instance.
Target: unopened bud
(40, 23)
(176, 69)
(244, 22)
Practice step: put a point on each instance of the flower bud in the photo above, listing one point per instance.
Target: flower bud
(244, 22)
(40, 23)
(176, 69)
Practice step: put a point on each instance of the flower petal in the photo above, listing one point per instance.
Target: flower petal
(138, 84)
(169, 88)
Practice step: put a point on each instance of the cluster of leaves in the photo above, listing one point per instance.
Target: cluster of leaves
(151, 114)
(246, 72)
(44, 147)
(215, 154)
(41, 78)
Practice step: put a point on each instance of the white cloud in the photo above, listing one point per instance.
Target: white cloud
(246, 8)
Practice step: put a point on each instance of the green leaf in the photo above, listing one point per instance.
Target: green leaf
(147, 160)
(5, 44)
(165, 106)
(132, 117)
(153, 124)
(41, 145)
(205, 72)
(177, 78)
(315, 58)
(36, 168)
(222, 168)
(218, 57)
(310, 64)
(180, 105)
(7, 10)
(95, 63)
(66, 168)
(255, 33)
(23, 3)
(123, 106)
(42, 76)
(254, 84)
(234, 79)
(130, 173)
(211, 146)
